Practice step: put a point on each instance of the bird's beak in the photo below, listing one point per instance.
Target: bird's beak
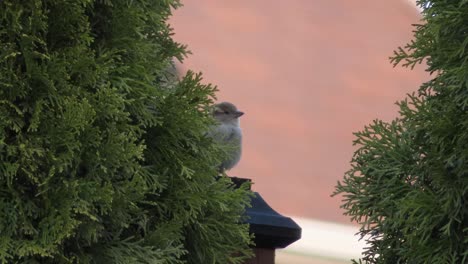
(239, 114)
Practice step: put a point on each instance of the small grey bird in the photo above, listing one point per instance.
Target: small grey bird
(228, 132)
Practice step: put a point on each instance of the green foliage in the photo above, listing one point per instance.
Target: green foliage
(408, 185)
(103, 157)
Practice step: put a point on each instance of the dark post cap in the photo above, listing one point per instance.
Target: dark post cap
(271, 229)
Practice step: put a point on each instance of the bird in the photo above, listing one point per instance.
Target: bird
(227, 132)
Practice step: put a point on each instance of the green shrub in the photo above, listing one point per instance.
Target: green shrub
(102, 153)
(408, 185)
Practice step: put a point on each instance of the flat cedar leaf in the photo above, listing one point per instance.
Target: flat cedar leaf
(103, 157)
(408, 182)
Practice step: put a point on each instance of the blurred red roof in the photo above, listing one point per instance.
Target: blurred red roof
(307, 74)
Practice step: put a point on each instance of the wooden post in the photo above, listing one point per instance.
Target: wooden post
(271, 229)
(262, 256)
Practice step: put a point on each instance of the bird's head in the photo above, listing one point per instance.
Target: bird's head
(226, 113)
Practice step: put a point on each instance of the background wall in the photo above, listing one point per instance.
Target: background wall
(307, 74)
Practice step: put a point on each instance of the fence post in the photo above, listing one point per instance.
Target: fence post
(271, 230)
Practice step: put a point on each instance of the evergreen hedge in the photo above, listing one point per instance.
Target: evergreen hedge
(103, 157)
(408, 185)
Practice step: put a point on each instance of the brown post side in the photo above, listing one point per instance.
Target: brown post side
(262, 256)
